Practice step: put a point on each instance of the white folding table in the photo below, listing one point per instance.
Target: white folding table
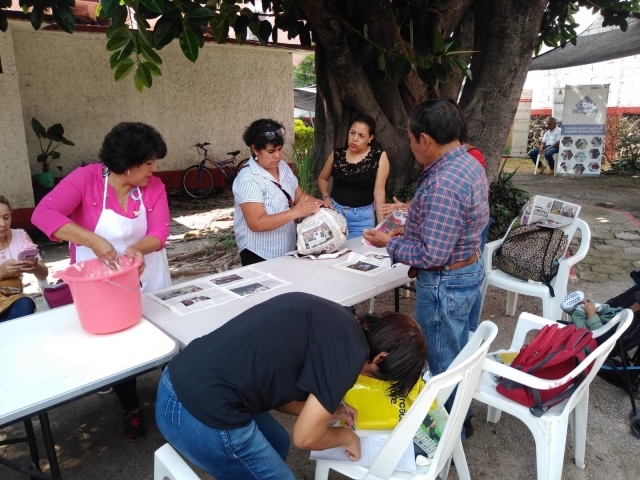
(47, 360)
(305, 276)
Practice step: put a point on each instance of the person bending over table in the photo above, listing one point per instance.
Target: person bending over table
(359, 173)
(295, 353)
(13, 303)
(111, 208)
(441, 237)
(267, 197)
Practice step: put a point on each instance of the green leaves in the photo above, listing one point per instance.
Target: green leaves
(37, 16)
(437, 41)
(63, 16)
(154, 5)
(38, 128)
(124, 68)
(119, 41)
(189, 44)
(109, 7)
(149, 54)
(202, 16)
(165, 31)
(463, 66)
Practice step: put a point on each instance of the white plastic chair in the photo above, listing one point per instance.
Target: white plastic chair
(514, 286)
(464, 372)
(550, 429)
(167, 464)
(544, 162)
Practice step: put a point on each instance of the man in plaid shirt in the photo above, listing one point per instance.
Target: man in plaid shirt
(442, 234)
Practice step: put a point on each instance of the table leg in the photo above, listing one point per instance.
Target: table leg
(49, 446)
(33, 446)
(397, 298)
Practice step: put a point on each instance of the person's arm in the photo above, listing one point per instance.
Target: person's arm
(440, 229)
(312, 431)
(158, 216)
(10, 269)
(379, 190)
(259, 221)
(323, 181)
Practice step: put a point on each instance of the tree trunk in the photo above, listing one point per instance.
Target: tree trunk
(345, 89)
(505, 33)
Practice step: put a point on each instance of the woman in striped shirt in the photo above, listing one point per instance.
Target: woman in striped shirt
(267, 197)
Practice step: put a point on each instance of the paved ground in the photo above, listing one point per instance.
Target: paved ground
(91, 445)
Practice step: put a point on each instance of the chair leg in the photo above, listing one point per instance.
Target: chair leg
(461, 463)
(579, 428)
(493, 415)
(322, 470)
(550, 443)
(512, 300)
(372, 302)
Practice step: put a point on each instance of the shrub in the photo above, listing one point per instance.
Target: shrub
(505, 202)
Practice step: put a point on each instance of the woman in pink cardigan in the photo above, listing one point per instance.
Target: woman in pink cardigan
(112, 208)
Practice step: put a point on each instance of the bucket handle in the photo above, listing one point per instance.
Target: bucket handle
(122, 286)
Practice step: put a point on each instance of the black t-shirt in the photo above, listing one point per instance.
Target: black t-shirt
(276, 352)
(353, 183)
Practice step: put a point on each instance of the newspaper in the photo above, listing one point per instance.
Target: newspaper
(505, 357)
(548, 212)
(323, 256)
(369, 264)
(394, 220)
(322, 232)
(428, 435)
(216, 290)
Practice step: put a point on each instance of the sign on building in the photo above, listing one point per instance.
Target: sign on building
(583, 130)
(558, 104)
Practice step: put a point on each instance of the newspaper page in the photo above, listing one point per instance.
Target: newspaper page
(323, 232)
(506, 357)
(216, 290)
(193, 296)
(369, 264)
(323, 256)
(394, 220)
(428, 435)
(548, 212)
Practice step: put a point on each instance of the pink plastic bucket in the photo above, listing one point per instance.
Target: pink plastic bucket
(107, 301)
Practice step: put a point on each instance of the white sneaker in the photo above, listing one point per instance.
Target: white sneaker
(572, 301)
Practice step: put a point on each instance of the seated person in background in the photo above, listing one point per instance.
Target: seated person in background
(548, 146)
(13, 303)
(586, 313)
(295, 353)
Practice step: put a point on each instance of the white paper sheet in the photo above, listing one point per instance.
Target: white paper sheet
(369, 446)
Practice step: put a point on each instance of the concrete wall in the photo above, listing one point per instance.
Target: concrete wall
(15, 178)
(66, 79)
(623, 76)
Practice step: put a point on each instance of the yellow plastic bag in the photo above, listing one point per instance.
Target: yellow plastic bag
(377, 411)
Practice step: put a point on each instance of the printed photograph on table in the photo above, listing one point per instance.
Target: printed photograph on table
(428, 435)
(369, 264)
(548, 212)
(246, 290)
(187, 302)
(178, 292)
(226, 279)
(363, 266)
(317, 235)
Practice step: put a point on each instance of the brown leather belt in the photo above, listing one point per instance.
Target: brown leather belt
(413, 271)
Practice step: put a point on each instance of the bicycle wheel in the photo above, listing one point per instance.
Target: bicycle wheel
(198, 182)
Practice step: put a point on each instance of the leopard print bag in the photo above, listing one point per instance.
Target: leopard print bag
(531, 252)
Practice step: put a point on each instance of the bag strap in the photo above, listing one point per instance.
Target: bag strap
(289, 199)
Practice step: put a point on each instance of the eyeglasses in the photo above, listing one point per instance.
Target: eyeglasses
(271, 135)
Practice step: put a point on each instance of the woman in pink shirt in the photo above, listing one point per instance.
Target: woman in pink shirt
(112, 208)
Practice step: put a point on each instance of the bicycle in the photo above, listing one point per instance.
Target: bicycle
(198, 181)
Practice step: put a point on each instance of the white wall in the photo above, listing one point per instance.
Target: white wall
(15, 178)
(66, 79)
(622, 74)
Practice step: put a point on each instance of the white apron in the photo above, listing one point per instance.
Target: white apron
(122, 232)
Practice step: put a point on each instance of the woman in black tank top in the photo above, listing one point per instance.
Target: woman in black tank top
(359, 173)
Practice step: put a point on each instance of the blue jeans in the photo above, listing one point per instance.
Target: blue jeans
(443, 304)
(256, 451)
(358, 219)
(474, 316)
(20, 308)
(548, 155)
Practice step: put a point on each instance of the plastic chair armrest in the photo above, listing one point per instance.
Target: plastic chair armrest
(522, 378)
(526, 323)
(487, 254)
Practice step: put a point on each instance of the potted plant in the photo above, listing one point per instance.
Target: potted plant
(55, 133)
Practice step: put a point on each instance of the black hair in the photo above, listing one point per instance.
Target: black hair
(3, 200)
(401, 337)
(439, 119)
(368, 121)
(130, 144)
(464, 128)
(253, 135)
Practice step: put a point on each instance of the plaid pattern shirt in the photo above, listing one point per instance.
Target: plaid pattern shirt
(447, 215)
